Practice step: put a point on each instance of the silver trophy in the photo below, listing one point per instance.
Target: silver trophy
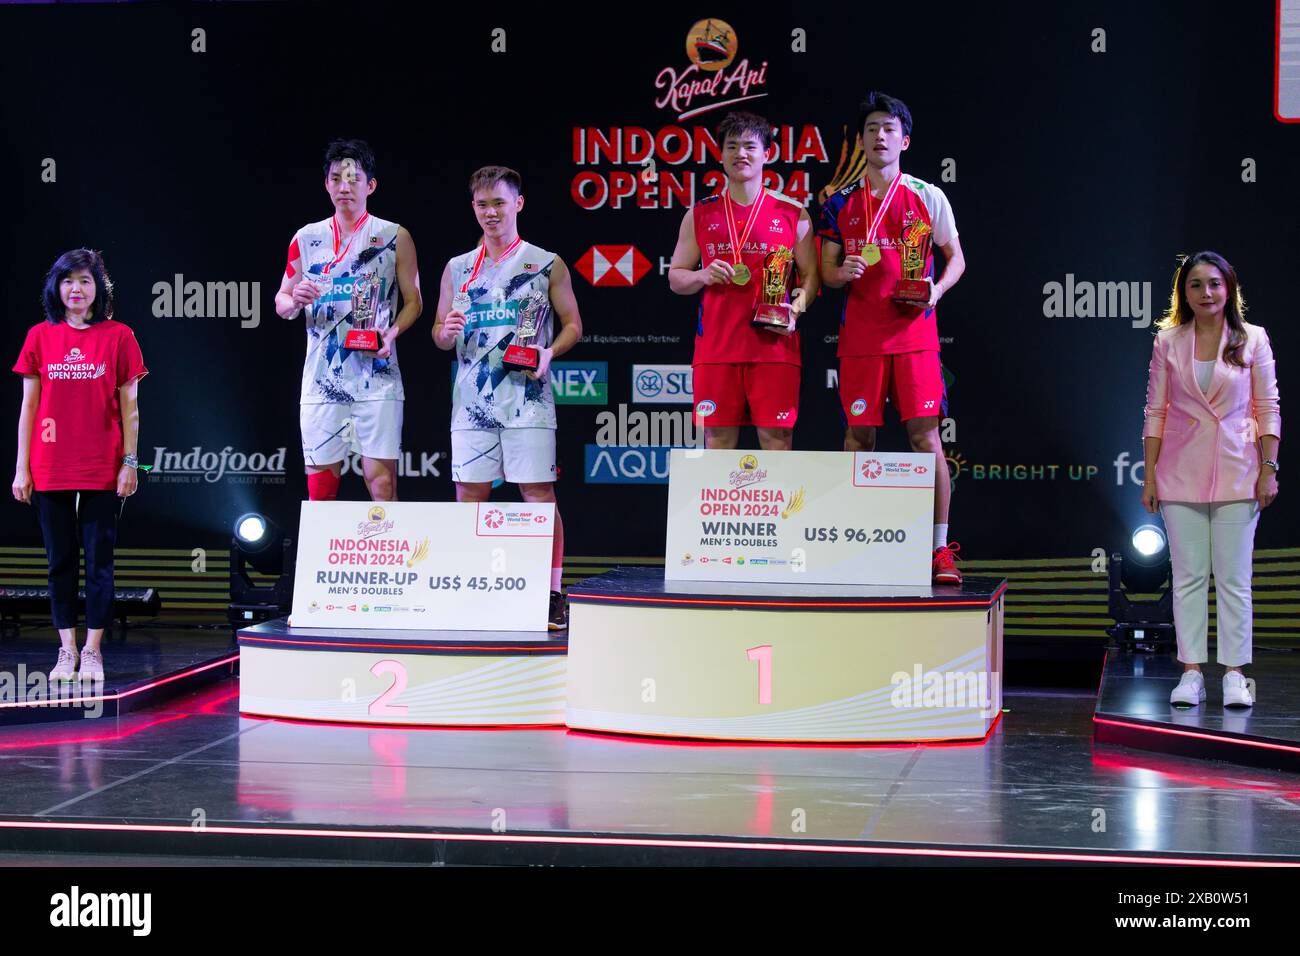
(363, 336)
(522, 355)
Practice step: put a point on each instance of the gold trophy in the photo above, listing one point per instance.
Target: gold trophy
(774, 313)
(363, 336)
(913, 288)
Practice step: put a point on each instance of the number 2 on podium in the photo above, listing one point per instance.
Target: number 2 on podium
(763, 654)
(380, 706)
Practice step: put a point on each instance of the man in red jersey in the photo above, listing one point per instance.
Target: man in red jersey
(731, 246)
(890, 347)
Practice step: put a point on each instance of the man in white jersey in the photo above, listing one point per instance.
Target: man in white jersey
(503, 421)
(351, 399)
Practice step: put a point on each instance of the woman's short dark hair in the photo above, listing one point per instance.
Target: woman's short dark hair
(877, 102)
(357, 150)
(74, 261)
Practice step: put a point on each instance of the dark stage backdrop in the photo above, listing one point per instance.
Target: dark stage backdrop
(1081, 145)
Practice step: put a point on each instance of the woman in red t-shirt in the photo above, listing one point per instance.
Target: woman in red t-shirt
(76, 444)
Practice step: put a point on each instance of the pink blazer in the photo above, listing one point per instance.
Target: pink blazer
(1208, 450)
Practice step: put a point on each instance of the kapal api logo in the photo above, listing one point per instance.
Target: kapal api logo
(749, 473)
(711, 46)
(375, 523)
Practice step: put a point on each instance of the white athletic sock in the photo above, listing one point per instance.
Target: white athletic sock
(556, 575)
(941, 536)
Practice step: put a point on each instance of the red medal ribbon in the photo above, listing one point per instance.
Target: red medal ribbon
(338, 234)
(482, 253)
(876, 217)
(750, 222)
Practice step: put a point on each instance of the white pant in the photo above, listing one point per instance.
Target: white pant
(332, 430)
(520, 455)
(1219, 537)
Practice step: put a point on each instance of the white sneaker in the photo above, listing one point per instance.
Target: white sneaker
(1236, 693)
(66, 668)
(1190, 690)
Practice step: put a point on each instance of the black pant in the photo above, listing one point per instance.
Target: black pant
(98, 519)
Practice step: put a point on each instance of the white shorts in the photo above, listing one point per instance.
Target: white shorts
(331, 431)
(521, 455)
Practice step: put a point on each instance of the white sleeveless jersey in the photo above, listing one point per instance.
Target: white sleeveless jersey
(486, 394)
(331, 373)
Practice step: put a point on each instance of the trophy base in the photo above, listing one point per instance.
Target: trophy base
(521, 358)
(774, 318)
(362, 340)
(912, 291)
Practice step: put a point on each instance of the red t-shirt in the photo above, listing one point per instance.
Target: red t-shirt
(77, 435)
(723, 333)
(872, 322)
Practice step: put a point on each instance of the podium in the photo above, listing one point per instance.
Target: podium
(413, 613)
(742, 641)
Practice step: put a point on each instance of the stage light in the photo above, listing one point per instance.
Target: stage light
(250, 529)
(17, 602)
(259, 543)
(1143, 568)
(1148, 540)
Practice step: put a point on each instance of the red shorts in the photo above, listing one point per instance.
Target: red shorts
(912, 380)
(764, 394)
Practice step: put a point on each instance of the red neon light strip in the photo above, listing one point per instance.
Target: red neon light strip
(60, 701)
(1198, 735)
(426, 647)
(629, 736)
(806, 604)
(656, 842)
(371, 725)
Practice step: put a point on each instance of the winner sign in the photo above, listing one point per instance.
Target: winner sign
(800, 517)
(423, 565)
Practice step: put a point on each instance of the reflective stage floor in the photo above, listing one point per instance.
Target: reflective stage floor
(190, 778)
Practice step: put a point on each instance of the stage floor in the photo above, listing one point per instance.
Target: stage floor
(146, 666)
(193, 778)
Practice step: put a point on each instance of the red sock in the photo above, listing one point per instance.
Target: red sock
(322, 486)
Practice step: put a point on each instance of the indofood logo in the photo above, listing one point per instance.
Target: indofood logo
(749, 473)
(236, 467)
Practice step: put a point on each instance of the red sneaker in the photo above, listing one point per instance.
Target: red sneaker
(944, 567)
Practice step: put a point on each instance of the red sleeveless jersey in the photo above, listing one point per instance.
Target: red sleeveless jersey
(723, 334)
(872, 322)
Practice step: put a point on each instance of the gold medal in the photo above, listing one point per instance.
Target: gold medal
(870, 253)
(741, 276)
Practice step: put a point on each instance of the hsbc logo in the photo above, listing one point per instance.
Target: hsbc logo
(920, 469)
(613, 266)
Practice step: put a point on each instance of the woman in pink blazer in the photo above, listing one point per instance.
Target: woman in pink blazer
(1212, 431)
